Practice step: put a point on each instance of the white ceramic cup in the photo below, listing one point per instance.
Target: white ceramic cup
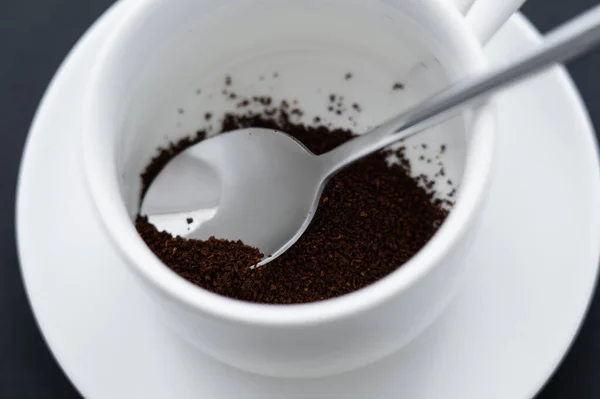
(147, 59)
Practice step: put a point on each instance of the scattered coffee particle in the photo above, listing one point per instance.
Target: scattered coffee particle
(339, 112)
(421, 158)
(398, 86)
(317, 119)
(442, 148)
(330, 108)
(276, 74)
(198, 92)
(357, 107)
(261, 78)
(243, 103)
(181, 111)
(207, 116)
(403, 160)
(449, 182)
(424, 146)
(263, 100)
(189, 220)
(285, 104)
(228, 80)
(338, 254)
(233, 96)
(348, 76)
(296, 112)
(332, 98)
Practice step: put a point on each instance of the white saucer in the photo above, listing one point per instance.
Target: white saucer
(533, 268)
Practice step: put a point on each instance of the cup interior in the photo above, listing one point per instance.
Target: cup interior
(166, 66)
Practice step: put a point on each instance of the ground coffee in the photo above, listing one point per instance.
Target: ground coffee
(371, 219)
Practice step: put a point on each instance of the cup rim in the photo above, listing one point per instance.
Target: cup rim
(121, 230)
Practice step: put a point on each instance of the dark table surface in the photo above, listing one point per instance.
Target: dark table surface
(35, 35)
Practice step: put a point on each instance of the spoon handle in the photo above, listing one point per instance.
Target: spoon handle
(571, 39)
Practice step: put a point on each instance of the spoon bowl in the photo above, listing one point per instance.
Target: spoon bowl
(260, 186)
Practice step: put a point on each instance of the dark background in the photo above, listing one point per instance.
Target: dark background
(35, 35)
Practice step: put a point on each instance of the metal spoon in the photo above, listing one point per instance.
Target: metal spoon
(264, 187)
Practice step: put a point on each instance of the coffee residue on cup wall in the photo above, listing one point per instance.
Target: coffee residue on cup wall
(371, 219)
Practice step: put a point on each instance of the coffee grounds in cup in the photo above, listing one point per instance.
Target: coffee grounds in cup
(372, 218)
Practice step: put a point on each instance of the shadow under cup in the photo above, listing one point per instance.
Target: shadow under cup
(163, 73)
